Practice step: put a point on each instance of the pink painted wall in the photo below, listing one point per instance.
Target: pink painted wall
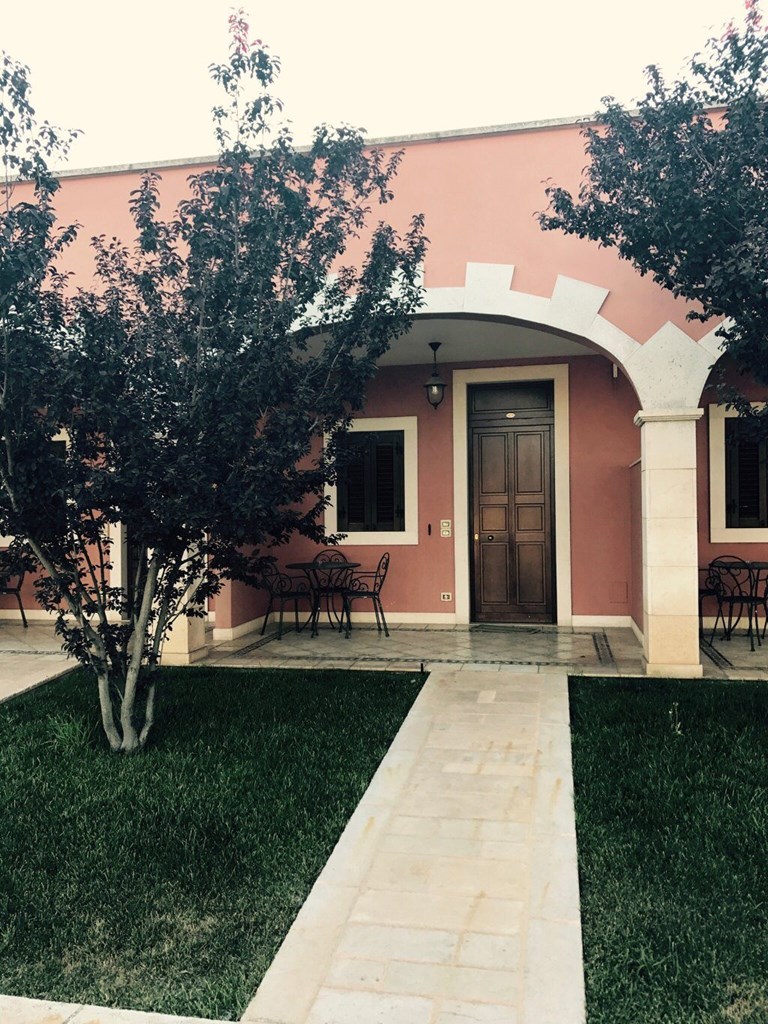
(418, 573)
(480, 196)
(604, 441)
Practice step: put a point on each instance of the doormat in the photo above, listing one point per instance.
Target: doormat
(504, 627)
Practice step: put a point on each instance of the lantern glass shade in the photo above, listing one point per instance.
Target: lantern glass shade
(435, 388)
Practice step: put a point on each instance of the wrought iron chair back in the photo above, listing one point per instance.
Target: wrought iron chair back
(369, 585)
(734, 585)
(283, 588)
(330, 583)
(327, 578)
(329, 555)
(11, 582)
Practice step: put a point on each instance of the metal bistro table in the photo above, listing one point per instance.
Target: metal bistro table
(757, 594)
(324, 579)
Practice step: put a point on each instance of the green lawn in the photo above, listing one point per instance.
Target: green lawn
(671, 781)
(166, 881)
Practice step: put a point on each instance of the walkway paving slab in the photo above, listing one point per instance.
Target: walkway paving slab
(15, 1010)
(452, 897)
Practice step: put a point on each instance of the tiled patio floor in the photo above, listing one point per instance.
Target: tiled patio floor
(31, 656)
(516, 648)
(574, 650)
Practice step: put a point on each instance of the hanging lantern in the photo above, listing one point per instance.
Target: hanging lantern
(435, 386)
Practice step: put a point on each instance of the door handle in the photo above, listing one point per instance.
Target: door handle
(489, 537)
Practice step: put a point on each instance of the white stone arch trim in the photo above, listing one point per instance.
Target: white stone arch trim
(667, 371)
(558, 374)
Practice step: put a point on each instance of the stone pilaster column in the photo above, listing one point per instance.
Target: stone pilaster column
(670, 541)
(185, 644)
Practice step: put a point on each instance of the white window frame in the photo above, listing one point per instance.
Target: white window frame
(718, 531)
(390, 538)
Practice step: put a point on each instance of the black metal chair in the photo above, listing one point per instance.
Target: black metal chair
(368, 585)
(761, 595)
(733, 582)
(11, 581)
(282, 589)
(705, 590)
(330, 579)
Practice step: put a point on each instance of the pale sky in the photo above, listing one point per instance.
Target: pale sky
(133, 76)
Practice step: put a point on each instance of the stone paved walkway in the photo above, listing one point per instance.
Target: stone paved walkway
(452, 896)
(28, 657)
(39, 1011)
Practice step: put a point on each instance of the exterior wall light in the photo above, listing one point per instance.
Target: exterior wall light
(435, 386)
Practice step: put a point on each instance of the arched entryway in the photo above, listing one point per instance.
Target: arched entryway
(667, 373)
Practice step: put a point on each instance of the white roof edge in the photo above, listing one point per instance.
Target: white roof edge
(389, 140)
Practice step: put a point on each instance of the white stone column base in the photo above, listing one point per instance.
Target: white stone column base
(673, 671)
(185, 644)
(184, 658)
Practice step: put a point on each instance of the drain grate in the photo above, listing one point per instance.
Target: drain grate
(602, 649)
(716, 657)
(255, 646)
(30, 650)
(401, 658)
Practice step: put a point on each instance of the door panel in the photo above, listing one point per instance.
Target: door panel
(529, 470)
(493, 464)
(512, 514)
(493, 517)
(530, 518)
(531, 566)
(495, 574)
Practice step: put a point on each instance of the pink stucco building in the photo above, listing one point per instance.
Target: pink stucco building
(575, 472)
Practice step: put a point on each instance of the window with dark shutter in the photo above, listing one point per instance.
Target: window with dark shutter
(746, 477)
(370, 484)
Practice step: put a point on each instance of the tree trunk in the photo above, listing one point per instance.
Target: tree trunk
(131, 741)
(149, 713)
(107, 712)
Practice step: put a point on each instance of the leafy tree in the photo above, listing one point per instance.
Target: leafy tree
(678, 187)
(195, 382)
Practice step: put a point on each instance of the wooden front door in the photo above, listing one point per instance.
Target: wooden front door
(512, 514)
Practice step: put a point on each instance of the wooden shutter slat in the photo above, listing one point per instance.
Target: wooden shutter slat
(370, 485)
